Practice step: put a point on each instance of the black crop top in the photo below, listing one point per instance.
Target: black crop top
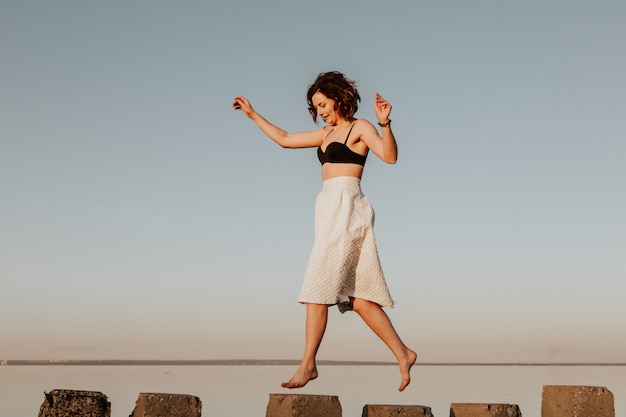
(337, 152)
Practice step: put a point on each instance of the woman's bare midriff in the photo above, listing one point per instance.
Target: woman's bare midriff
(331, 170)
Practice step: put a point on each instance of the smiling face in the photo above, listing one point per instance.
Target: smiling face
(326, 108)
(333, 96)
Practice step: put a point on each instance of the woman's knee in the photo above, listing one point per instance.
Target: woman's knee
(360, 305)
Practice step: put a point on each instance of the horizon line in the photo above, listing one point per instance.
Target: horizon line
(243, 362)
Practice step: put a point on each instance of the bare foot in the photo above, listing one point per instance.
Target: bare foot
(405, 368)
(300, 378)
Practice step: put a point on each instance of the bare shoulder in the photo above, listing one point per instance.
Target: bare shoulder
(362, 122)
(363, 127)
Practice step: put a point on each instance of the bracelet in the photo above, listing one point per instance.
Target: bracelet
(388, 124)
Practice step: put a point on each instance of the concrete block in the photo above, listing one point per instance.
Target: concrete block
(303, 405)
(484, 410)
(64, 402)
(167, 405)
(576, 401)
(382, 410)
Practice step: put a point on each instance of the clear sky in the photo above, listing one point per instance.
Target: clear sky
(142, 218)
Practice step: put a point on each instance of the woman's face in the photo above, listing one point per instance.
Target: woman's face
(325, 108)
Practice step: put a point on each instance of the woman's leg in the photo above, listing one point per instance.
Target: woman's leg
(374, 316)
(316, 318)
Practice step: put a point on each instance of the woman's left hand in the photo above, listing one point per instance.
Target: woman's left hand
(382, 108)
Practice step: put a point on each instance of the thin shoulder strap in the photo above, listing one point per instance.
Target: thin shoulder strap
(327, 133)
(346, 141)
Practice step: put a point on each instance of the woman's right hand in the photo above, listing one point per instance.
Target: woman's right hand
(241, 103)
(282, 137)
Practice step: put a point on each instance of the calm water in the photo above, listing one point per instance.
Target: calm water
(243, 391)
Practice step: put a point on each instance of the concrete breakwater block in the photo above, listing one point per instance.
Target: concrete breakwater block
(576, 401)
(65, 402)
(484, 410)
(303, 405)
(167, 405)
(381, 410)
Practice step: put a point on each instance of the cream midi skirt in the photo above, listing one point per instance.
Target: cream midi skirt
(344, 261)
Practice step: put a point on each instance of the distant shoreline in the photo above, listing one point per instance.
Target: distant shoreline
(274, 362)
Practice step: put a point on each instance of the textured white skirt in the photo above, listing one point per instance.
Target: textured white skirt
(344, 261)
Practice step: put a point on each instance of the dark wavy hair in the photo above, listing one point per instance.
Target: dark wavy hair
(336, 86)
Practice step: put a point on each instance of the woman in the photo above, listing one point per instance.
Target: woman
(343, 268)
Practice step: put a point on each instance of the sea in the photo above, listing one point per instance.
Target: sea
(243, 390)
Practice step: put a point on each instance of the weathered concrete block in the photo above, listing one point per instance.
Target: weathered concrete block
(301, 405)
(167, 405)
(484, 410)
(381, 410)
(65, 402)
(576, 401)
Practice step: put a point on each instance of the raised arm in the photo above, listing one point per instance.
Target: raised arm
(281, 137)
(384, 147)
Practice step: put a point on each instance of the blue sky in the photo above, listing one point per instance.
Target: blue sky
(142, 217)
